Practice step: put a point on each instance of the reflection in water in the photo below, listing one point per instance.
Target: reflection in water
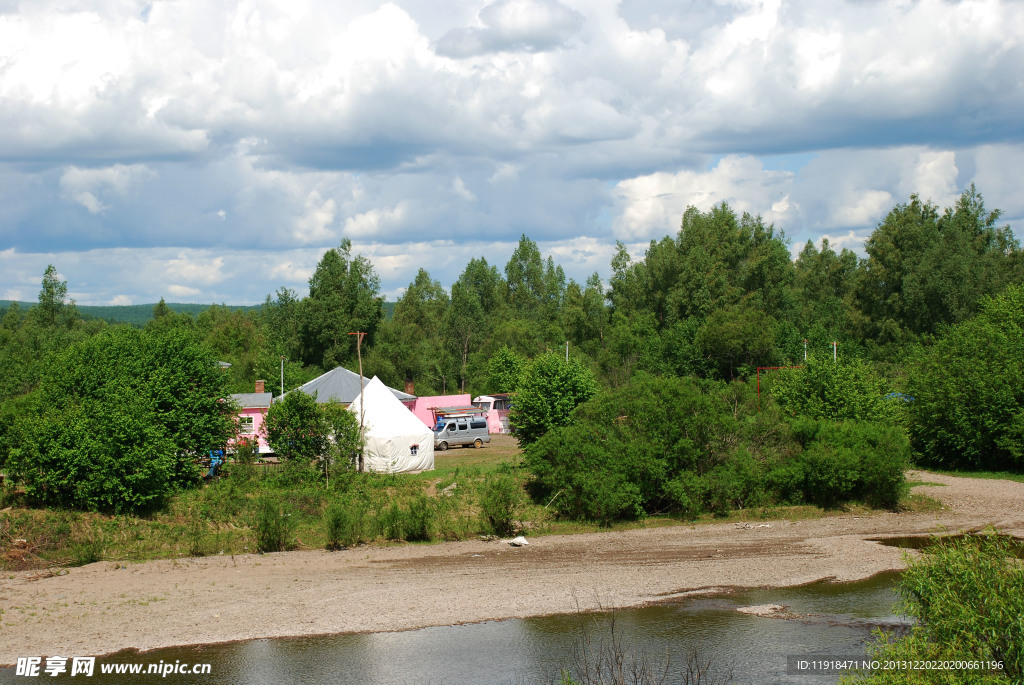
(835, 620)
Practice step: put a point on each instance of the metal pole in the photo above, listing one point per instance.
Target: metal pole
(835, 350)
(566, 351)
(282, 374)
(362, 404)
(805, 349)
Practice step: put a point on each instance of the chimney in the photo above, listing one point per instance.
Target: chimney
(259, 386)
(409, 387)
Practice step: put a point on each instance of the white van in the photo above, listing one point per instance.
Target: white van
(461, 430)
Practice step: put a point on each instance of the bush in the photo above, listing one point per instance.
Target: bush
(500, 503)
(418, 519)
(345, 521)
(118, 420)
(271, 526)
(842, 390)
(968, 598)
(412, 522)
(690, 447)
(968, 390)
(856, 460)
(830, 473)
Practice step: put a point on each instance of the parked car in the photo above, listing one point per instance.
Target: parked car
(461, 431)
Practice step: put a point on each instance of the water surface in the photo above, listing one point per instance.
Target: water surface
(836, 620)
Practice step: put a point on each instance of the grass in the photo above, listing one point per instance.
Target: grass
(455, 501)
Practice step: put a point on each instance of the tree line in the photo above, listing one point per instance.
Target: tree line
(711, 304)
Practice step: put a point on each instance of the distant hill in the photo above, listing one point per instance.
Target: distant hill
(131, 314)
(140, 314)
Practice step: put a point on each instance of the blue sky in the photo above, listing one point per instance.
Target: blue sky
(206, 152)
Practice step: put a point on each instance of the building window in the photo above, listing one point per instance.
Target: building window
(413, 449)
(245, 426)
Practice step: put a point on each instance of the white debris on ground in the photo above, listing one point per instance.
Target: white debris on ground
(518, 541)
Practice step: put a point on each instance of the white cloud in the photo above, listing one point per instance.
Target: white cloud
(651, 206)
(376, 223)
(121, 300)
(864, 209)
(530, 25)
(195, 267)
(460, 189)
(272, 127)
(183, 290)
(82, 185)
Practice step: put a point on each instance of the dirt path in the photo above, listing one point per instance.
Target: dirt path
(105, 607)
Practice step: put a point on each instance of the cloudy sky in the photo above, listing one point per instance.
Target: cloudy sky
(204, 151)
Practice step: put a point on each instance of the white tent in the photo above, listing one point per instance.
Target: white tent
(396, 441)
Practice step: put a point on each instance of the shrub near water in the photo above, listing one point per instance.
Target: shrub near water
(500, 501)
(968, 598)
(689, 447)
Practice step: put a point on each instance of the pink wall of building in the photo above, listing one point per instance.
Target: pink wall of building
(496, 408)
(257, 414)
(422, 406)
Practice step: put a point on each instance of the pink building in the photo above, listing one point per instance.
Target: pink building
(422, 407)
(254, 407)
(496, 406)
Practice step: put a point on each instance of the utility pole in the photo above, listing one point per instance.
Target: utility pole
(805, 349)
(282, 374)
(835, 351)
(362, 405)
(566, 351)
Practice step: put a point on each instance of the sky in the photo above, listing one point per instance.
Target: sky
(213, 151)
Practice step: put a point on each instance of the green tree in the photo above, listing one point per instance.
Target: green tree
(925, 271)
(504, 370)
(54, 308)
(466, 323)
(346, 442)
(297, 429)
(549, 390)
(525, 279)
(411, 346)
(825, 284)
(118, 421)
(343, 298)
(968, 390)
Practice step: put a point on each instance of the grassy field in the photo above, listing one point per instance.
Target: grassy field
(254, 508)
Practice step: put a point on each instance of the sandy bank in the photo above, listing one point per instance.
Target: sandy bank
(105, 607)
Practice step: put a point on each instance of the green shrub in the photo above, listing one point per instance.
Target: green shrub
(856, 460)
(689, 447)
(391, 522)
(830, 472)
(968, 598)
(500, 503)
(687, 492)
(345, 521)
(837, 390)
(117, 421)
(196, 536)
(968, 390)
(271, 526)
(418, 519)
